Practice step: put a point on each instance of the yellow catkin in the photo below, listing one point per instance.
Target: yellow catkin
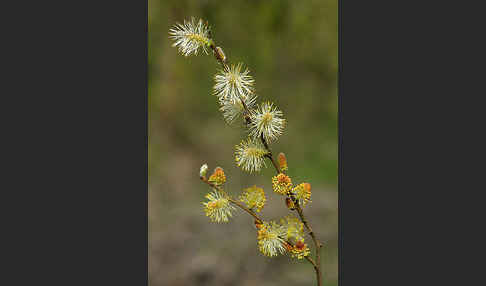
(281, 184)
(299, 250)
(253, 197)
(218, 177)
(302, 192)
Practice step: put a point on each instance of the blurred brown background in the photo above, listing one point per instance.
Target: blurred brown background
(291, 49)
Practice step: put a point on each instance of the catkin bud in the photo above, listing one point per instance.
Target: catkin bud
(307, 187)
(282, 161)
(203, 171)
(299, 245)
(258, 225)
(290, 204)
(219, 54)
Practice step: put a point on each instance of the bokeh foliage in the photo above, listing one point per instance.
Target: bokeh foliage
(291, 49)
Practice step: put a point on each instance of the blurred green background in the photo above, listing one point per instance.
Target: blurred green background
(290, 48)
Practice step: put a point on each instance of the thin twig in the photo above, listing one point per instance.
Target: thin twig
(310, 260)
(317, 244)
(258, 219)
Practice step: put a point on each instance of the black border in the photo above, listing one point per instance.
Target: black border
(75, 191)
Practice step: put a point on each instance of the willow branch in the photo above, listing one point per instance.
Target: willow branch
(220, 56)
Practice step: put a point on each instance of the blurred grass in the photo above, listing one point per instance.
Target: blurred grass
(291, 50)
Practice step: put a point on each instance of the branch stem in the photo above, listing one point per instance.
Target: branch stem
(252, 213)
(317, 244)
